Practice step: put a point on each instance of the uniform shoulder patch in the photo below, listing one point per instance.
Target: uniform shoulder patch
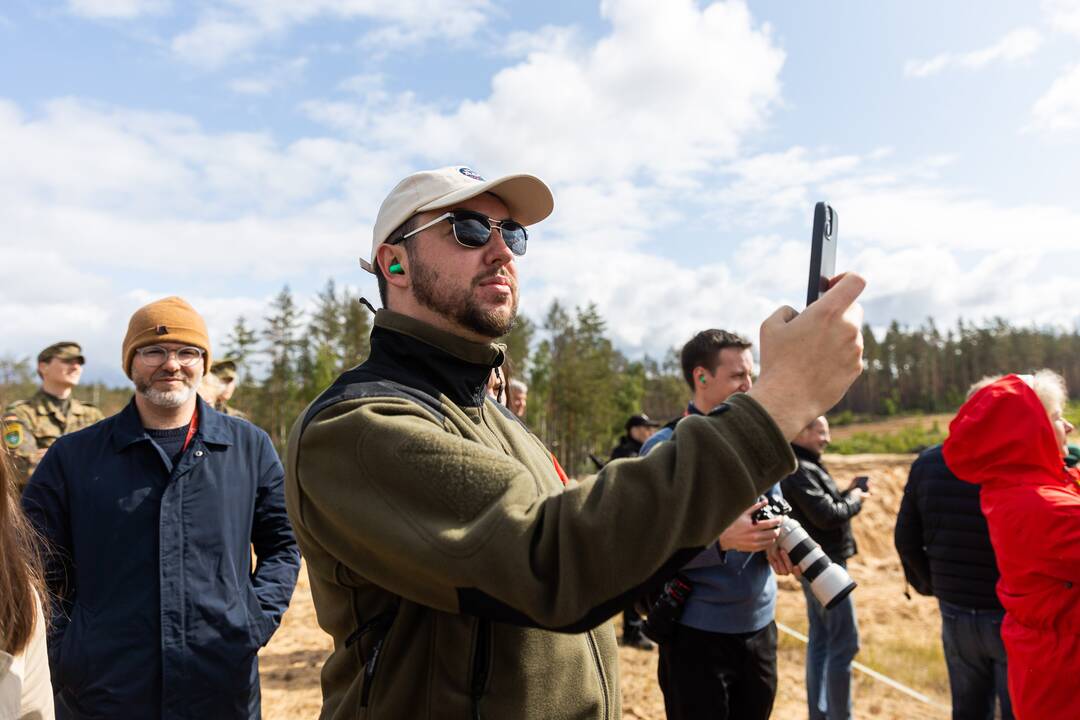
(13, 432)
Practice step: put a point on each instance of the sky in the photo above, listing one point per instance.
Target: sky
(222, 149)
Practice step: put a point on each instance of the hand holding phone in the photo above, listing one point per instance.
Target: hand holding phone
(822, 251)
(862, 482)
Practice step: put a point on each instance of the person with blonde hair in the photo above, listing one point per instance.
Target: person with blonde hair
(1010, 439)
(25, 688)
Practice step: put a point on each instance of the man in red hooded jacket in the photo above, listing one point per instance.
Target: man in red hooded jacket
(1010, 438)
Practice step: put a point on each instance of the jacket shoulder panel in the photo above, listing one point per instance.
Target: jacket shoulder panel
(357, 385)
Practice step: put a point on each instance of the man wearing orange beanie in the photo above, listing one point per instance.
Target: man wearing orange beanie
(150, 515)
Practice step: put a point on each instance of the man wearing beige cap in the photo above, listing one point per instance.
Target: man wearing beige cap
(31, 426)
(456, 571)
(150, 517)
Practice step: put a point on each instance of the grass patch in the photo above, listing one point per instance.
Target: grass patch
(909, 440)
(916, 665)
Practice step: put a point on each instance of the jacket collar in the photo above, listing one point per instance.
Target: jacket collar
(129, 428)
(407, 350)
(804, 454)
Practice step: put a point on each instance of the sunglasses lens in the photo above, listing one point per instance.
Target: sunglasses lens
(515, 237)
(472, 232)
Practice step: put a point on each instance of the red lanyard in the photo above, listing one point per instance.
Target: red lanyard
(193, 427)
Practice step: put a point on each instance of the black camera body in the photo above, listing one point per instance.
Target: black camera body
(665, 610)
(777, 507)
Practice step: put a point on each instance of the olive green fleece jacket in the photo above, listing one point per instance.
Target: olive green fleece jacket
(457, 575)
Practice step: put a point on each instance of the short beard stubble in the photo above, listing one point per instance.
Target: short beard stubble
(166, 398)
(459, 306)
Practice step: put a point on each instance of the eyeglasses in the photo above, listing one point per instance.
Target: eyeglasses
(474, 230)
(155, 355)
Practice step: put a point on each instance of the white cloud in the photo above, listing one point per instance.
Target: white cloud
(1059, 107)
(97, 201)
(118, 9)
(770, 188)
(275, 77)
(608, 111)
(1063, 15)
(228, 29)
(1018, 45)
(123, 207)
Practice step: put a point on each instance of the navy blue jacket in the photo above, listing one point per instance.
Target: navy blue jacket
(159, 612)
(942, 537)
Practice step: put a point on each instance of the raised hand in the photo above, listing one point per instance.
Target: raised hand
(809, 360)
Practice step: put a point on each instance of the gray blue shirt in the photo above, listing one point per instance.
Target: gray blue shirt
(733, 592)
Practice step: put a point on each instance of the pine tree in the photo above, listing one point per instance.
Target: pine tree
(281, 390)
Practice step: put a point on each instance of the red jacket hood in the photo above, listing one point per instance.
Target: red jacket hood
(1002, 433)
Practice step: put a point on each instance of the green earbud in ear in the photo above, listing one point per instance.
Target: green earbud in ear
(396, 269)
(701, 379)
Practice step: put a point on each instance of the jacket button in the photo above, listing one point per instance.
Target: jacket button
(1068, 585)
(198, 453)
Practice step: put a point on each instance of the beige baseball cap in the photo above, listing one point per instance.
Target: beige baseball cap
(526, 197)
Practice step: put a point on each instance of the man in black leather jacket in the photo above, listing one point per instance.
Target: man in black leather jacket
(945, 548)
(825, 512)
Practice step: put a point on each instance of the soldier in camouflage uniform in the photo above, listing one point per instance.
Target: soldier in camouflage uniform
(225, 370)
(31, 426)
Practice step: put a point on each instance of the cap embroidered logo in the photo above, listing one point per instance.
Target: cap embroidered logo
(470, 173)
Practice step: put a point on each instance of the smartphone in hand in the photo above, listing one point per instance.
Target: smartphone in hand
(822, 251)
(862, 482)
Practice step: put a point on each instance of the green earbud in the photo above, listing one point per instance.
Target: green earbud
(701, 379)
(396, 269)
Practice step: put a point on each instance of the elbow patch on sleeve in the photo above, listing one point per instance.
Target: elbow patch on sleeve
(462, 480)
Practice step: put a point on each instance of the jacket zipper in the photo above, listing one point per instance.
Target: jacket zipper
(481, 665)
(599, 673)
(380, 624)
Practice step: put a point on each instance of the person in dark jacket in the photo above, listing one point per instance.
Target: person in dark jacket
(149, 517)
(639, 428)
(825, 513)
(944, 545)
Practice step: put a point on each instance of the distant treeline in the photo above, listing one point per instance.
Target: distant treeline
(923, 369)
(582, 389)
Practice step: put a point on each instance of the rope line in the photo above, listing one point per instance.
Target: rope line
(873, 673)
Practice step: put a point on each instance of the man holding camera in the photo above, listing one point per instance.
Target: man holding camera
(825, 513)
(457, 572)
(720, 661)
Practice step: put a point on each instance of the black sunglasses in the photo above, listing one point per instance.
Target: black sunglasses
(473, 230)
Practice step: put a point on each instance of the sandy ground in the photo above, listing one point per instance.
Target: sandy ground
(892, 425)
(900, 637)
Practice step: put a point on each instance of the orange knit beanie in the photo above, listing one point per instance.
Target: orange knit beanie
(170, 319)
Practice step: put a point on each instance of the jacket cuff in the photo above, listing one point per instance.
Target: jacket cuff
(765, 445)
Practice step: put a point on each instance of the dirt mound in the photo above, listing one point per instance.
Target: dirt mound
(900, 637)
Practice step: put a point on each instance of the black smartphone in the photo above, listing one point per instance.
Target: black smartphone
(863, 482)
(822, 251)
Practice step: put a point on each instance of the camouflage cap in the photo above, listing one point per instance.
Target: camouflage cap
(225, 369)
(65, 350)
